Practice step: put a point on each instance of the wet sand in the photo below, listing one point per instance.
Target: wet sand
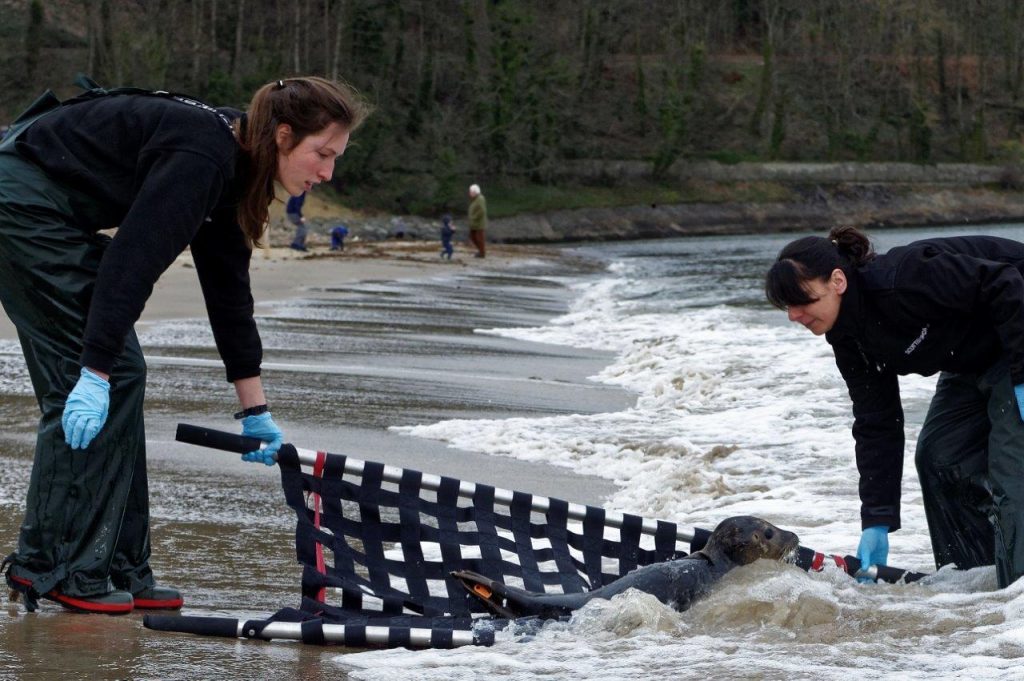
(279, 273)
(404, 353)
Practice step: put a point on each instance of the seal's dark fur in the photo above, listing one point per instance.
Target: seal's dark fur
(736, 541)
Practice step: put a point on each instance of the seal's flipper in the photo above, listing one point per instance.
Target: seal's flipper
(490, 592)
(511, 602)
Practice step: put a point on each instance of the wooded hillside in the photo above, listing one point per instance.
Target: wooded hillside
(500, 88)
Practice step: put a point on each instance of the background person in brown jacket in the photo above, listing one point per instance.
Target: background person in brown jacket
(478, 220)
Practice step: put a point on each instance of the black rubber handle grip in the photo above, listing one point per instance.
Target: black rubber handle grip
(204, 626)
(216, 439)
(894, 575)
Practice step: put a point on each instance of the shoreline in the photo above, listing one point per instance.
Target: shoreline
(280, 273)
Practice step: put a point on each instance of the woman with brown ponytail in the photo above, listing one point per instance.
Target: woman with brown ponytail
(951, 305)
(170, 173)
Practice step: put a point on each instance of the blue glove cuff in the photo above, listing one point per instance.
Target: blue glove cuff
(1018, 392)
(94, 380)
(257, 420)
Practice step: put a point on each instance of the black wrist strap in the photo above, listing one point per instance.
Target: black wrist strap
(252, 411)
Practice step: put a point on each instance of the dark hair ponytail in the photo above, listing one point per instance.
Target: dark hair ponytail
(852, 244)
(308, 104)
(814, 257)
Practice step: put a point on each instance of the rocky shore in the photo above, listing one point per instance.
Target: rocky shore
(870, 207)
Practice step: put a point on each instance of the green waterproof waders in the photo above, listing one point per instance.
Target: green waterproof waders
(970, 458)
(86, 527)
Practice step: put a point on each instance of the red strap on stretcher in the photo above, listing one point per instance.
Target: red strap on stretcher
(318, 471)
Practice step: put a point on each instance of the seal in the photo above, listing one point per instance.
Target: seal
(736, 541)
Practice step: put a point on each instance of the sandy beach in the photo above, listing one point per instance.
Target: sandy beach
(281, 272)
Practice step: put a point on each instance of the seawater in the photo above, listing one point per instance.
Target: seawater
(737, 411)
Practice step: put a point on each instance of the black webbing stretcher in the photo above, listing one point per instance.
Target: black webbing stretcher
(378, 543)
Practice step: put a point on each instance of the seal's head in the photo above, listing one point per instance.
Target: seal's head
(743, 539)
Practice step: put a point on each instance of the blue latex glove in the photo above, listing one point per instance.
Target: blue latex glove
(263, 427)
(85, 410)
(873, 549)
(1018, 391)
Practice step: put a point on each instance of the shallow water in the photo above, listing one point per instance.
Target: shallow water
(737, 412)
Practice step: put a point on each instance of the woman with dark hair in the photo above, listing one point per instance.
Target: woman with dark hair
(951, 305)
(170, 173)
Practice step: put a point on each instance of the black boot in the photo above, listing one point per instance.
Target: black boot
(158, 598)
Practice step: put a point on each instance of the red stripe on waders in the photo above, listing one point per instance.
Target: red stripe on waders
(318, 471)
(841, 562)
(818, 562)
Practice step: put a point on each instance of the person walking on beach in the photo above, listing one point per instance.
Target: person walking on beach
(171, 173)
(293, 211)
(447, 232)
(478, 220)
(951, 305)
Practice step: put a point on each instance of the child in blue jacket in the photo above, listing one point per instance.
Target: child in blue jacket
(447, 232)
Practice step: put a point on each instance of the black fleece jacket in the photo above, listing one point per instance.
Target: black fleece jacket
(954, 304)
(163, 171)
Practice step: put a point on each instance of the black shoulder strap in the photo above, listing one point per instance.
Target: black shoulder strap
(45, 102)
(93, 90)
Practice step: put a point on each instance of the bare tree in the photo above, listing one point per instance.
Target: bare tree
(197, 41)
(297, 37)
(236, 61)
(339, 32)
